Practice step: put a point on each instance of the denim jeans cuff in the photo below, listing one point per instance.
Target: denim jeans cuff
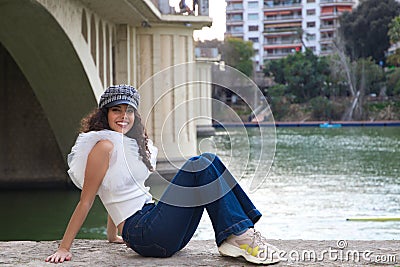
(236, 228)
(254, 215)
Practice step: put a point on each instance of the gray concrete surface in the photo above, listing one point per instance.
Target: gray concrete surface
(204, 253)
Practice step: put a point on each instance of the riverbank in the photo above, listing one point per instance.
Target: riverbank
(204, 253)
(394, 123)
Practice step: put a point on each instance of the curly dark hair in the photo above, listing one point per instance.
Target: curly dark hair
(97, 121)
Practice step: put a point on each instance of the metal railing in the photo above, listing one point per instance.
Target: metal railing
(275, 18)
(337, 1)
(271, 4)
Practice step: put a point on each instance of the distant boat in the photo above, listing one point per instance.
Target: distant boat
(330, 125)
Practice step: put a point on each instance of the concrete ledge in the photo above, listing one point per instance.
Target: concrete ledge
(204, 253)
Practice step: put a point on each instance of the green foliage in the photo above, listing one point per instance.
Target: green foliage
(394, 30)
(277, 90)
(394, 35)
(304, 74)
(323, 109)
(366, 76)
(279, 103)
(394, 59)
(378, 106)
(337, 83)
(393, 83)
(237, 54)
(365, 30)
(369, 76)
(323, 83)
(276, 69)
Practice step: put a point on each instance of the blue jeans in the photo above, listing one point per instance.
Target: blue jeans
(160, 230)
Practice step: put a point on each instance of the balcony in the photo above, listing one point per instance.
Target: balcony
(282, 29)
(335, 2)
(276, 55)
(234, 22)
(294, 42)
(234, 34)
(331, 15)
(283, 5)
(234, 30)
(325, 27)
(274, 19)
(280, 32)
(326, 40)
(234, 8)
(285, 44)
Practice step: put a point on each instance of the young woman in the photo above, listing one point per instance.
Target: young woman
(113, 157)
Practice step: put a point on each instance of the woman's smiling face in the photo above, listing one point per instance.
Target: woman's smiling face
(121, 118)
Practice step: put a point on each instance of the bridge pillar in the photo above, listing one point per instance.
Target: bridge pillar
(165, 98)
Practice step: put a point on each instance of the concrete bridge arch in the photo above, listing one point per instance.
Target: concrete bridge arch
(57, 90)
(56, 58)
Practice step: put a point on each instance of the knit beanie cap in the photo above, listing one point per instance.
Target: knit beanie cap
(119, 94)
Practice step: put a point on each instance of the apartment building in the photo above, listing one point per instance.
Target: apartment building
(280, 27)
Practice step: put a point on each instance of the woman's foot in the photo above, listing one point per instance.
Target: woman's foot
(252, 246)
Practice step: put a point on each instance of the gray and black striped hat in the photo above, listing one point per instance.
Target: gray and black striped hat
(119, 94)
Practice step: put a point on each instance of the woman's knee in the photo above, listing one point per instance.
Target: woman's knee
(210, 156)
(201, 162)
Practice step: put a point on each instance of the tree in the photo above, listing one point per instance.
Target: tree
(394, 35)
(394, 59)
(275, 68)
(237, 54)
(304, 74)
(393, 82)
(371, 74)
(394, 30)
(365, 30)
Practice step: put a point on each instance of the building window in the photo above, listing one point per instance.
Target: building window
(237, 29)
(310, 1)
(311, 24)
(253, 16)
(312, 48)
(237, 6)
(310, 12)
(311, 37)
(253, 39)
(268, 3)
(252, 4)
(236, 17)
(253, 28)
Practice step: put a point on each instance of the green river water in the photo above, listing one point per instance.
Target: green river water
(319, 177)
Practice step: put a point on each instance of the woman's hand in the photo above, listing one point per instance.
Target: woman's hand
(117, 239)
(61, 255)
(112, 232)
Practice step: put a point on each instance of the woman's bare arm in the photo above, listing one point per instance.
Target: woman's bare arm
(112, 232)
(96, 168)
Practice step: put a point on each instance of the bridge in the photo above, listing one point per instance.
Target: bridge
(57, 57)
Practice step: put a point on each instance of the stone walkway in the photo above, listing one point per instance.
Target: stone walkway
(204, 253)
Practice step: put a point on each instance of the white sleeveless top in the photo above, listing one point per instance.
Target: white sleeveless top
(122, 190)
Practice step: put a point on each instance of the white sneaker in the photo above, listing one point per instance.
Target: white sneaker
(252, 246)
